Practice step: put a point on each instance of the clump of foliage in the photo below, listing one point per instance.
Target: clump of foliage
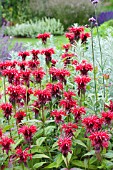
(31, 28)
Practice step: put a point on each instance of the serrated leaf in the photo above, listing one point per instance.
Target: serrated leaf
(40, 141)
(40, 156)
(37, 165)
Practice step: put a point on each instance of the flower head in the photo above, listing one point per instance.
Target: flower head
(84, 37)
(27, 132)
(6, 143)
(36, 108)
(77, 112)
(7, 109)
(48, 54)
(66, 47)
(1, 133)
(65, 144)
(33, 64)
(43, 37)
(23, 155)
(35, 54)
(38, 74)
(58, 115)
(84, 67)
(10, 73)
(108, 117)
(70, 36)
(69, 128)
(23, 54)
(67, 58)
(99, 140)
(110, 106)
(67, 104)
(19, 116)
(76, 31)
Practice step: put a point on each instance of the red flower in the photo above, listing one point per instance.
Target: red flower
(6, 142)
(92, 123)
(108, 117)
(67, 104)
(43, 96)
(27, 132)
(38, 74)
(74, 62)
(77, 31)
(55, 89)
(110, 106)
(77, 112)
(22, 64)
(48, 53)
(84, 37)
(19, 116)
(53, 62)
(7, 110)
(99, 140)
(23, 54)
(26, 94)
(58, 115)
(15, 93)
(65, 145)
(68, 95)
(23, 155)
(26, 76)
(70, 36)
(84, 67)
(69, 128)
(10, 73)
(33, 64)
(66, 47)
(43, 37)
(35, 54)
(82, 82)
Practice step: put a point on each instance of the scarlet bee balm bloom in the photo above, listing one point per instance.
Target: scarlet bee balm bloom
(27, 132)
(58, 115)
(6, 143)
(43, 37)
(7, 109)
(19, 116)
(23, 155)
(23, 54)
(69, 129)
(84, 67)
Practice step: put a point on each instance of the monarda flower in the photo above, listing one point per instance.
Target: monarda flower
(110, 106)
(10, 74)
(66, 47)
(92, 123)
(70, 36)
(1, 133)
(84, 37)
(22, 65)
(48, 54)
(65, 144)
(53, 62)
(99, 140)
(24, 54)
(33, 64)
(38, 74)
(55, 89)
(35, 54)
(43, 37)
(23, 155)
(25, 75)
(19, 116)
(44, 96)
(76, 31)
(67, 104)
(67, 57)
(15, 93)
(108, 117)
(26, 94)
(7, 109)
(82, 82)
(68, 95)
(36, 108)
(84, 67)
(69, 129)
(58, 114)
(6, 142)
(27, 132)
(77, 112)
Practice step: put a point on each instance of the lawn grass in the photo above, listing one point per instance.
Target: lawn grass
(58, 40)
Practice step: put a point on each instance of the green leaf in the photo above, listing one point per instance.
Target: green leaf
(40, 141)
(108, 155)
(92, 152)
(17, 143)
(37, 165)
(59, 160)
(67, 159)
(79, 142)
(40, 156)
(51, 165)
(81, 164)
(49, 129)
(55, 145)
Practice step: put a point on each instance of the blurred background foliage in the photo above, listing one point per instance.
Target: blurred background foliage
(68, 11)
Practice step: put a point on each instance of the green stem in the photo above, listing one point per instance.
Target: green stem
(9, 129)
(4, 87)
(67, 163)
(22, 166)
(43, 120)
(94, 72)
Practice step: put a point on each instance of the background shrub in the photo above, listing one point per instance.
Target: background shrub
(31, 29)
